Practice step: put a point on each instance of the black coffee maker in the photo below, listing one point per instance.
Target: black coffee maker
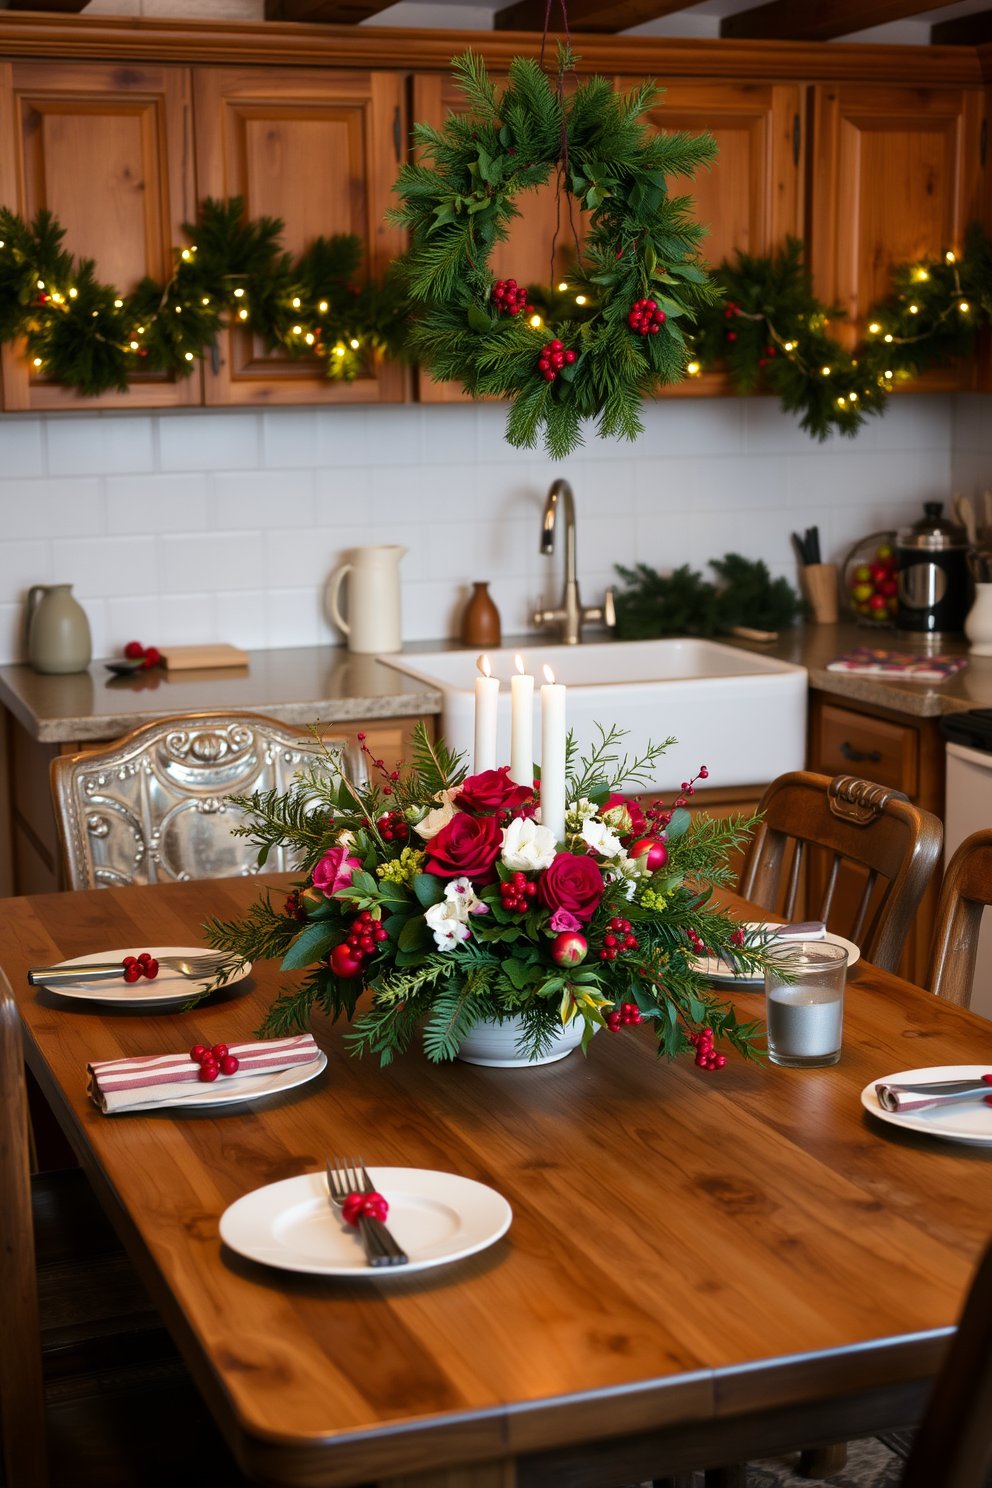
(932, 559)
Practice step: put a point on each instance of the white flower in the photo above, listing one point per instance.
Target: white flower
(624, 867)
(527, 846)
(462, 895)
(346, 838)
(440, 816)
(597, 835)
(447, 924)
(578, 812)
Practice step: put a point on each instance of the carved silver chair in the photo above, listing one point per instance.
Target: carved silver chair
(155, 806)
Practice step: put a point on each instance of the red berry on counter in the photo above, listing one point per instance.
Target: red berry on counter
(134, 650)
(152, 657)
(229, 1064)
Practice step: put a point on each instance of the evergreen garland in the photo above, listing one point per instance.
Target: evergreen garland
(234, 272)
(642, 245)
(684, 603)
(772, 332)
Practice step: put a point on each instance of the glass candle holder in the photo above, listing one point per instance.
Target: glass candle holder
(805, 1014)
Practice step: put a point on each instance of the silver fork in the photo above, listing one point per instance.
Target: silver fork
(343, 1178)
(194, 967)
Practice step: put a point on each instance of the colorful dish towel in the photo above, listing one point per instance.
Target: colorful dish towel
(151, 1079)
(865, 661)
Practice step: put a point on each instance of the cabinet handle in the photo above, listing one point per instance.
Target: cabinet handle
(797, 135)
(858, 755)
(397, 139)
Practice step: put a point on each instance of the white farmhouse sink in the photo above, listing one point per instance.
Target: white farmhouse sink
(740, 714)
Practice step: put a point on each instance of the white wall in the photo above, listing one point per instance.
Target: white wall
(224, 525)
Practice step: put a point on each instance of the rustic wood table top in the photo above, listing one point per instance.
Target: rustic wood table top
(699, 1264)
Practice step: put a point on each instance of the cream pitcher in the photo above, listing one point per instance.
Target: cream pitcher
(58, 632)
(373, 623)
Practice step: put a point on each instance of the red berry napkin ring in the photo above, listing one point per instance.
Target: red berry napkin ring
(135, 967)
(213, 1061)
(364, 1206)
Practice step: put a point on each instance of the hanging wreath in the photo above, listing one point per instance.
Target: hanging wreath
(233, 273)
(637, 272)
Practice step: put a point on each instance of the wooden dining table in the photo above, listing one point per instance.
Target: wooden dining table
(702, 1267)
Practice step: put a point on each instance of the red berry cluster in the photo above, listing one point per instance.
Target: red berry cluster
(393, 827)
(697, 944)
(295, 907)
(769, 353)
(645, 318)
(553, 357)
(516, 893)
(213, 1061)
(623, 1016)
(658, 818)
(617, 940)
(390, 777)
(510, 296)
(706, 1056)
(365, 934)
(135, 967)
(149, 656)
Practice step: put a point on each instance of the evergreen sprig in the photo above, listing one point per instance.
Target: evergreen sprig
(459, 200)
(684, 603)
(233, 273)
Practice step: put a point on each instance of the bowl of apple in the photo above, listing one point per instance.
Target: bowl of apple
(870, 580)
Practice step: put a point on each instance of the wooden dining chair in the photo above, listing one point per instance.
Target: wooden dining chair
(93, 1392)
(966, 890)
(853, 821)
(155, 806)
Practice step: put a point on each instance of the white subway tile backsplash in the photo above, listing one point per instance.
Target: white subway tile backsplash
(22, 447)
(224, 525)
(99, 444)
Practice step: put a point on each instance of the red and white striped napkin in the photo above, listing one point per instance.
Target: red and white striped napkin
(151, 1079)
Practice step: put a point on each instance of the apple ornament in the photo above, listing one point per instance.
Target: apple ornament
(655, 850)
(569, 948)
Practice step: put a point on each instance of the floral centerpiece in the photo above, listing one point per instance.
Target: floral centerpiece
(444, 896)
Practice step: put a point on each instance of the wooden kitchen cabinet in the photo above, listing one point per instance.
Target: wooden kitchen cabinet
(901, 752)
(109, 150)
(752, 196)
(319, 149)
(895, 174)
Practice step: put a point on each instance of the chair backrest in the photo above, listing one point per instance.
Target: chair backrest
(953, 1447)
(855, 820)
(22, 1399)
(155, 805)
(966, 891)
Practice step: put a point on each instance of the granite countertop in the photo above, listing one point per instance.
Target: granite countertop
(299, 686)
(328, 683)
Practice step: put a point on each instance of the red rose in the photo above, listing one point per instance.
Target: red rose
(492, 791)
(573, 883)
(626, 822)
(468, 845)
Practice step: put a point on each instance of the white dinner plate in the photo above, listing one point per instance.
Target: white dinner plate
(269, 1082)
(168, 989)
(716, 970)
(971, 1123)
(436, 1217)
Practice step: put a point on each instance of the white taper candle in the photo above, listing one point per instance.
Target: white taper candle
(486, 715)
(553, 734)
(521, 726)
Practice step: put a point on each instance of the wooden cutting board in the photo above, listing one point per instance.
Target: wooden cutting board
(195, 658)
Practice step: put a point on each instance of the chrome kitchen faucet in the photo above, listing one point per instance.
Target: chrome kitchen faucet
(570, 615)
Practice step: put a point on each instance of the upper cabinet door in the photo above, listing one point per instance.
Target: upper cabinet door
(542, 240)
(320, 150)
(751, 196)
(109, 150)
(896, 175)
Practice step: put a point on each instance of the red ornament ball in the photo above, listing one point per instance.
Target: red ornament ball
(569, 948)
(655, 851)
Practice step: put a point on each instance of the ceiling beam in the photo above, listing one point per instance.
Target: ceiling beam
(331, 12)
(971, 30)
(819, 20)
(585, 15)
